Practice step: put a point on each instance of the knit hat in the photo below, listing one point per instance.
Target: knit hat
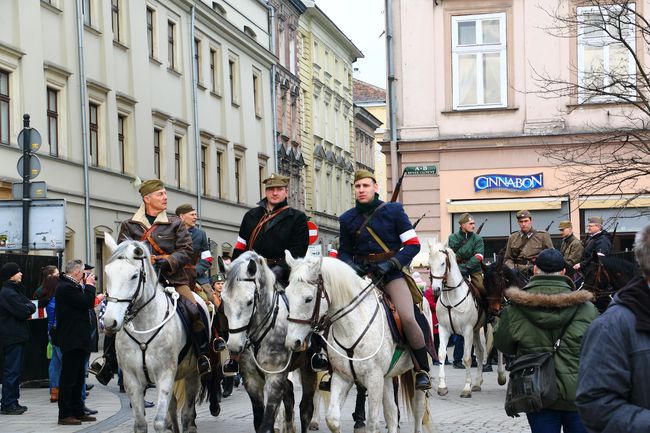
(8, 270)
(151, 185)
(465, 218)
(183, 209)
(550, 260)
(565, 225)
(364, 174)
(276, 180)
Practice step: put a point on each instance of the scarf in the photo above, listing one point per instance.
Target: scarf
(636, 297)
(368, 207)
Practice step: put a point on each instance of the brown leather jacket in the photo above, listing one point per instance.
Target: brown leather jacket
(170, 236)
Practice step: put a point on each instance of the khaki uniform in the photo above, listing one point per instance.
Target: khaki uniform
(521, 252)
(571, 250)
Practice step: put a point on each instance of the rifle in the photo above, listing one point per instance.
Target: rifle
(419, 219)
(549, 225)
(478, 231)
(398, 186)
(613, 236)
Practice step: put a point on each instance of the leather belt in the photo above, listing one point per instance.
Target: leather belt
(375, 257)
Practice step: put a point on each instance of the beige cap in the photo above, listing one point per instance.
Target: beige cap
(465, 218)
(565, 225)
(523, 214)
(364, 174)
(276, 180)
(151, 185)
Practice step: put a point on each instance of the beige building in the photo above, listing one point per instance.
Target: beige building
(475, 130)
(326, 58)
(132, 103)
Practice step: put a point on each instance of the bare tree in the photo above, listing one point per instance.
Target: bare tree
(612, 40)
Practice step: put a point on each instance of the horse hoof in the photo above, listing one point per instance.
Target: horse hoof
(502, 380)
(442, 391)
(313, 425)
(466, 394)
(476, 388)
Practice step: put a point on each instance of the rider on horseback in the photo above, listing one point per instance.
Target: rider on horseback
(170, 245)
(524, 245)
(377, 238)
(468, 247)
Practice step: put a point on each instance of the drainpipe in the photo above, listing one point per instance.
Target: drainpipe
(392, 102)
(84, 124)
(274, 105)
(195, 109)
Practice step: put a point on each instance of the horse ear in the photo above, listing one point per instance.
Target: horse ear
(222, 267)
(431, 244)
(252, 267)
(289, 258)
(110, 242)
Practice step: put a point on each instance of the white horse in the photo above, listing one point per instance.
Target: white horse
(458, 313)
(257, 325)
(327, 293)
(136, 302)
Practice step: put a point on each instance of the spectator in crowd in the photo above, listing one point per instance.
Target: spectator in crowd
(15, 309)
(74, 298)
(613, 394)
(94, 340)
(45, 291)
(545, 310)
(50, 276)
(431, 299)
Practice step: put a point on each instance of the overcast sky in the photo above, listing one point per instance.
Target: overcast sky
(363, 22)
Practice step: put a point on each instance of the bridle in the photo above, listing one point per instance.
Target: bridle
(443, 277)
(131, 310)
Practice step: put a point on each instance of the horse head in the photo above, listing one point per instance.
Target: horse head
(126, 277)
(247, 282)
(439, 264)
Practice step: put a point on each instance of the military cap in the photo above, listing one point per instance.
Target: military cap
(151, 185)
(523, 214)
(226, 249)
(364, 174)
(596, 220)
(184, 208)
(276, 180)
(565, 225)
(465, 218)
(550, 260)
(218, 278)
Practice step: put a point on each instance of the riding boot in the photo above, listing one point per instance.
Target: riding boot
(317, 355)
(200, 339)
(359, 414)
(422, 379)
(104, 368)
(228, 383)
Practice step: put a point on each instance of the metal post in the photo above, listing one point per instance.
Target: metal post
(27, 139)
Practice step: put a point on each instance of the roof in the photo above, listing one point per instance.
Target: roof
(366, 92)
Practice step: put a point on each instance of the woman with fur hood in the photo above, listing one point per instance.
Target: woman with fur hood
(534, 320)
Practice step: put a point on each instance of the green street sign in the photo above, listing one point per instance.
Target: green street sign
(421, 170)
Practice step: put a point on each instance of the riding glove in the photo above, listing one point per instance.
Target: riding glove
(387, 266)
(359, 269)
(163, 265)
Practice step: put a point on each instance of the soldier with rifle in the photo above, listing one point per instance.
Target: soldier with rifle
(469, 250)
(571, 247)
(524, 245)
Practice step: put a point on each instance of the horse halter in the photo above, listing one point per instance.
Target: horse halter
(255, 296)
(443, 277)
(142, 278)
(316, 322)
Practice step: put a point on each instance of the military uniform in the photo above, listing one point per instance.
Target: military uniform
(468, 247)
(523, 248)
(571, 249)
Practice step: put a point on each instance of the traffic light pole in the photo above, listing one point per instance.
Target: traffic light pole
(27, 139)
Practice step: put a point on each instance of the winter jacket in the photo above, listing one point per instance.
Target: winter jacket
(522, 249)
(571, 249)
(202, 257)
(534, 320)
(614, 383)
(170, 235)
(598, 243)
(15, 309)
(467, 246)
(73, 304)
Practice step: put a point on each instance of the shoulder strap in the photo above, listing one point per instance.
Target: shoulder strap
(367, 220)
(147, 236)
(378, 239)
(260, 224)
(557, 343)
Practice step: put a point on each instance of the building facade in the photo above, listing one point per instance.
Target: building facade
(174, 89)
(478, 114)
(325, 66)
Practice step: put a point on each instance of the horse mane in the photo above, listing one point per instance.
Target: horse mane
(340, 279)
(615, 264)
(242, 261)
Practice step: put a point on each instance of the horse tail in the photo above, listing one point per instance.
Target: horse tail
(489, 339)
(407, 385)
(179, 393)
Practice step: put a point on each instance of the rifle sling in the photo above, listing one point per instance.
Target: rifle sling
(366, 221)
(258, 228)
(147, 236)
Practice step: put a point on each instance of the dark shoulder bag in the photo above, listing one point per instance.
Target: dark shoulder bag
(532, 386)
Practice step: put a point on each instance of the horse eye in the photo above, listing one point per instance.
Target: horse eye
(309, 299)
(249, 303)
(134, 276)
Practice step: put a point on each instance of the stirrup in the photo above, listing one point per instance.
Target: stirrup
(422, 380)
(319, 362)
(218, 344)
(203, 360)
(325, 383)
(101, 369)
(230, 367)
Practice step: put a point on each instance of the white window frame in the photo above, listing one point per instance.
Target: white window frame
(480, 49)
(605, 41)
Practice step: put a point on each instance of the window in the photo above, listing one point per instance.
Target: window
(257, 93)
(261, 173)
(87, 12)
(215, 70)
(156, 153)
(204, 169)
(53, 120)
(115, 19)
(606, 68)
(233, 74)
(4, 107)
(121, 148)
(292, 55)
(220, 174)
(150, 32)
(177, 160)
(93, 128)
(238, 179)
(197, 60)
(171, 44)
(479, 61)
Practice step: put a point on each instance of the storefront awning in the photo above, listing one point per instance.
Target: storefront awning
(609, 202)
(505, 205)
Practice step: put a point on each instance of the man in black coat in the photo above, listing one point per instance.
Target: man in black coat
(73, 300)
(15, 309)
(598, 242)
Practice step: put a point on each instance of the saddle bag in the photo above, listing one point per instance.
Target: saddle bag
(532, 386)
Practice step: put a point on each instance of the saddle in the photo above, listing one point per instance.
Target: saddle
(183, 313)
(395, 326)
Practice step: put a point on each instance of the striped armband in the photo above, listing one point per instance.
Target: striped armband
(241, 244)
(409, 237)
